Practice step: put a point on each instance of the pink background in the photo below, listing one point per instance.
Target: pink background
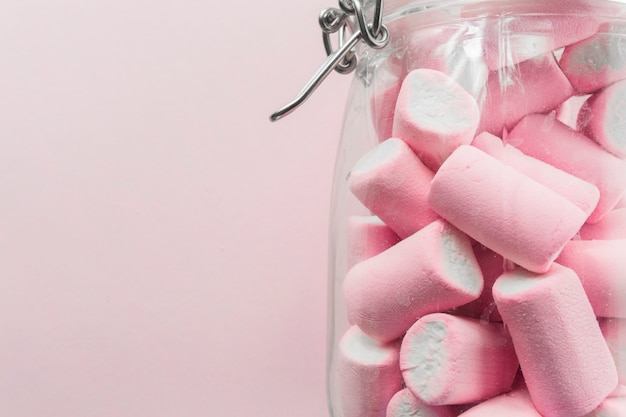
(162, 245)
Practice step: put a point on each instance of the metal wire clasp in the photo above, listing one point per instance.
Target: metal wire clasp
(348, 18)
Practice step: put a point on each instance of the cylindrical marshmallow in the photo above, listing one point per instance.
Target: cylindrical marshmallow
(447, 359)
(430, 271)
(582, 193)
(612, 226)
(492, 266)
(547, 139)
(533, 86)
(598, 264)
(603, 118)
(567, 112)
(566, 363)
(614, 332)
(405, 404)
(434, 115)
(368, 374)
(611, 407)
(503, 209)
(597, 61)
(392, 182)
(368, 236)
(386, 87)
(516, 403)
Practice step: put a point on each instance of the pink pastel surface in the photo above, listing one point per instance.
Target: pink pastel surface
(163, 246)
(368, 236)
(516, 403)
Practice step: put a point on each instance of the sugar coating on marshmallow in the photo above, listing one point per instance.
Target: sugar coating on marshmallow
(405, 404)
(612, 226)
(391, 181)
(434, 115)
(598, 264)
(566, 363)
(614, 332)
(534, 86)
(597, 61)
(503, 209)
(603, 118)
(368, 374)
(431, 270)
(545, 138)
(368, 236)
(516, 403)
(443, 359)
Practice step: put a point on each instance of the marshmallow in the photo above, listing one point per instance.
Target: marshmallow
(614, 332)
(383, 103)
(492, 266)
(516, 403)
(404, 404)
(432, 270)
(447, 359)
(392, 182)
(612, 226)
(547, 139)
(611, 407)
(598, 264)
(583, 194)
(369, 374)
(602, 118)
(434, 115)
(368, 236)
(503, 209)
(597, 61)
(567, 112)
(533, 86)
(566, 363)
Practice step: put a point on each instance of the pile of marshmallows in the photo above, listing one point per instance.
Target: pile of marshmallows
(490, 280)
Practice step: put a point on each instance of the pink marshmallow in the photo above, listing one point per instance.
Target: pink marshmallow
(368, 374)
(492, 266)
(614, 332)
(434, 115)
(547, 139)
(383, 103)
(404, 404)
(368, 236)
(583, 194)
(447, 359)
(533, 86)
(516, 403)
(392, 182)
(611, 407)
(566, 363)
(432, 270)
(612, 226)
(503, 209)
(567, 112)
(602, 118)
(598, 264)
(597, 61)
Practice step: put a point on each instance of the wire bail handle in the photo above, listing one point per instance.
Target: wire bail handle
(349, 17)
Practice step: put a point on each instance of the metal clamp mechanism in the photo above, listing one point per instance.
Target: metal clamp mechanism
(349, 17)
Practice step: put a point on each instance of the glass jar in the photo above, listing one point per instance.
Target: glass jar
(478, 223)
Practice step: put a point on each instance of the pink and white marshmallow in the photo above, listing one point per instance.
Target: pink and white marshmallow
(603, 118)
(368, 374)
(516, 403)
(503, 209)
(545, 138)
(368, 236)
(430, 271)
(566, 363)
(405, 404)
(598, 264)
(582, 193)
(392, 182)
(597, 61)
(434, 115)
(447, 359)
(614, 332)
(533, 86)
